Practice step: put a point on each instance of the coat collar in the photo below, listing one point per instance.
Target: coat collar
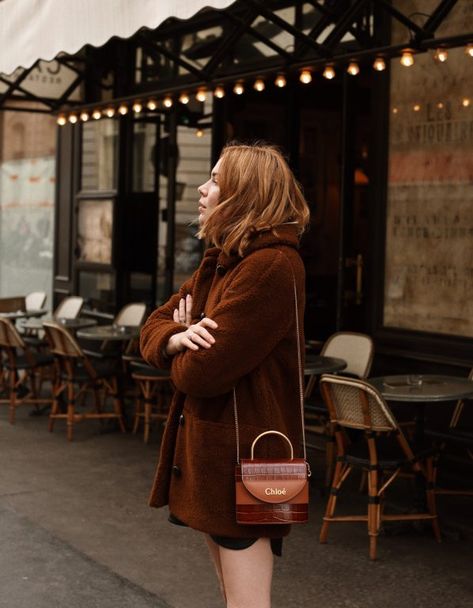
(285, 234)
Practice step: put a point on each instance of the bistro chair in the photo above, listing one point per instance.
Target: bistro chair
(68, 308)
(35, 300)
(384, 454)
(357, 350)
(21, 370)
(153, 397)
(75, 377)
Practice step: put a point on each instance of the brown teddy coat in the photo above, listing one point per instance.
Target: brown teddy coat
(255, 350)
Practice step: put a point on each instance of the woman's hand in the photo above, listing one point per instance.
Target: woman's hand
(183, 314)
(195, 337)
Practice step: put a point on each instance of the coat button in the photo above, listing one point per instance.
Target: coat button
(181, 419)
(221, 270)
(176, 471)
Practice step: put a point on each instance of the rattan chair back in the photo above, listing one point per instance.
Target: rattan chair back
(131, 315)
(61, 342)
(355, 348)
(35, 300)
(356, 404)
(69, 308)
(9, 336)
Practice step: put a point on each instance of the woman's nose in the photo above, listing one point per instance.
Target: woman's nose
(201, 190)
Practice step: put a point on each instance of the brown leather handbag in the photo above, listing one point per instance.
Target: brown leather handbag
(273, 491)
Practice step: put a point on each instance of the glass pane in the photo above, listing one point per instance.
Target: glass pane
(94, 233)
(144, 151)
(429, 244)
(98, 288)
(27, 182)
(99, 155)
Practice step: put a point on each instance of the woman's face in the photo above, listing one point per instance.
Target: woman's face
(209, 194)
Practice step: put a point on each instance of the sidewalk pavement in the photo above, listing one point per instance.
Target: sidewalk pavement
(76, 531)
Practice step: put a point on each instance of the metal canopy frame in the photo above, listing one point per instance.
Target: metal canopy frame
(356, 18)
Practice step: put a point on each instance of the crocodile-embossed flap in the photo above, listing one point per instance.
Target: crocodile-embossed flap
(274, 481)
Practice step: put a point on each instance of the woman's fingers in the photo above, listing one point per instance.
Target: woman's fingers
(188, 309)
(207, 322)
(175, 316)
(182, 310)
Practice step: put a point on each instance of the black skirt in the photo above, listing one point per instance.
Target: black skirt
(236, 544)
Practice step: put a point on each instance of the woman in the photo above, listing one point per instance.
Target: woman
(232, 324)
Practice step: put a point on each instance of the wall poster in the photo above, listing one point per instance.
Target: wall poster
(429, 231)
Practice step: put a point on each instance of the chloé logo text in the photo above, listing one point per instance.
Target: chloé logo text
(275, 492)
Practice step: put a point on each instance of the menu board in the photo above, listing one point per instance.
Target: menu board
(429, 230)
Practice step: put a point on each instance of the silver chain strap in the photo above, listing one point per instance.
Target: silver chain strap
(301, 379)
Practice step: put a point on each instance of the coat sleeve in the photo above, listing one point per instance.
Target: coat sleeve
(160, 326)
(254, 314)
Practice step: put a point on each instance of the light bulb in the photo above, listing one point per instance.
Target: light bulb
(353, 68)
(137, 107)
(466, 102)
(73, 119)
(441, 55)
(379, 64)
(305, 77)
(201, 95)
(469, 49)
(416, 107)
(61, 120)
(96, 114)
(239, 89)
(219, 92)
(123, 109)
(199, 133)
(407, 59)
(395, 110)
(259, 85)
(440, 105)
(151, 105)
(184, 98)
(329, 72)
(110, 112)
(84, 116)
(280, 81)
(167, 102)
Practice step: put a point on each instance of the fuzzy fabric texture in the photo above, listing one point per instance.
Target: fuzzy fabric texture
(255, 350)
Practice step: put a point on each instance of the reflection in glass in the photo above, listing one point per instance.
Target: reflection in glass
(98, 288)
(99, 155)
(94, 234)
(144, 150)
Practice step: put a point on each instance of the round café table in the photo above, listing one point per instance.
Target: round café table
(316, 365)
(423, 390)
(24, 314)
(109, 332)
(34, 325)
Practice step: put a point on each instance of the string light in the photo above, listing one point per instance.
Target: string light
(137, 107)
(441, 55)
(416, 107)
(219, 92)
(407, 58)
(96, 114)
(152, 105)
(440, 105)
(280, 81)
(199, 133)
(201, 95)
(73, 119)
(167, 102)
(395, 110)
(110, 112)
(329, 72)
(259, 85)
(84, 116)
(353, 68)
(466, 102)
(184, 98)
(305, 77)
(379, 64)
(123, 109)
(61, 120)
(469, 49)
(239, 89)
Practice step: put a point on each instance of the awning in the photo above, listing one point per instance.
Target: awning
(41, 29)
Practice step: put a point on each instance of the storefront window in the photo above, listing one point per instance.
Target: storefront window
(98, 289)
(94, 233)
(99, 155)
(27, 182)
(144, 153)
(429, 238)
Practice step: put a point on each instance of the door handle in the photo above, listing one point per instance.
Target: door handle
(357, 262)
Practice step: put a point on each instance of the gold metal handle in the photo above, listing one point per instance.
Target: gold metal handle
(272, 433)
